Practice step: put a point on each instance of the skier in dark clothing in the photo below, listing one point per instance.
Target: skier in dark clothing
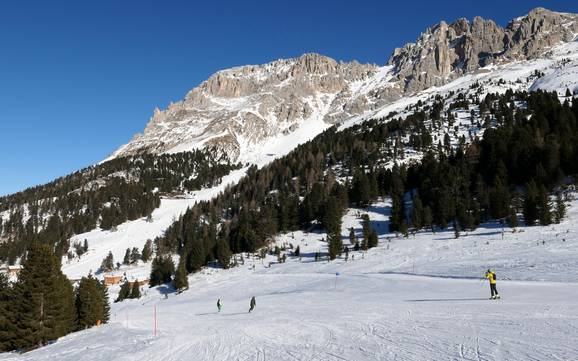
(219, 305)
(253, 304)
(491, 276)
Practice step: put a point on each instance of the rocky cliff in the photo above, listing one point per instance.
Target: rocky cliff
(239, 108)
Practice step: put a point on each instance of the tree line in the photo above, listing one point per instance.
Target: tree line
(104, 196)
(527, 149)
(42, 305)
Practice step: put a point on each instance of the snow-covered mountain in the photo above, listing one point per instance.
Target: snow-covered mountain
(244, 110)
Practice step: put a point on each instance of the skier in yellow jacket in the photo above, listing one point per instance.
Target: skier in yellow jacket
(491, 276)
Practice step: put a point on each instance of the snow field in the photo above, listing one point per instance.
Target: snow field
(416, 298)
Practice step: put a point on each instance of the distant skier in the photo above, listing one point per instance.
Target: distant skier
(253, 304)
(491, 276)
(219, 305)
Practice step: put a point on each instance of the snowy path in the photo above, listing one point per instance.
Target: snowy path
(367, 317)
(385, 306)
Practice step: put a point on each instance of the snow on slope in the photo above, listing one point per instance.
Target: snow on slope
(420, 298)
(516, 76)
(136, 233)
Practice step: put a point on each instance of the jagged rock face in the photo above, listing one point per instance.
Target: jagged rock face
(530, 36)
(446, 52)
(238, 108)
(242, 106)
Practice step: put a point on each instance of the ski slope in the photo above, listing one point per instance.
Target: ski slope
(415, 298)
(558, 67)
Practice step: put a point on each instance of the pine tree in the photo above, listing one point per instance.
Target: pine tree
(124, 292)
(568, 93)
(161, 271)
(85, 246)
(43, 300)
(373, 240)
(135, 255)
(107, 264)
(135, 290)
(332, 222)
(512, 218)
(297, 251)
(530, 204)
(428, 218)
(361, 190)
(365, 229)
(456, 230)
(147, 251)
(544, 207)
(181, 280)
(196, 258)
(224, 253)
(417, 213)
(126, 259)
(560, 212)
(91, 302)
(7, 327)
(352, 238)
(335, 245)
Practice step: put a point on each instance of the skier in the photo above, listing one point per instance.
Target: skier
(219, 304)
(491, 276)
(253, 304)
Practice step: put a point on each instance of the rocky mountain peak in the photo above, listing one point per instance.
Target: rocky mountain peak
(447, 51)
(239, 108)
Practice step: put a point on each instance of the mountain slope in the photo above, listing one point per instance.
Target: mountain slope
(391, 302)
(240, 110)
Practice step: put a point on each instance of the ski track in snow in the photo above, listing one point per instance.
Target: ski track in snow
(416, 298)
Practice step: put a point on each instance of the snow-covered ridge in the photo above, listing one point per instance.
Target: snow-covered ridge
(244, 109)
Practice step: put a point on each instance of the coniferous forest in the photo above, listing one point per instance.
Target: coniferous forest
(528, 149)
(42, 304)
(104, 196)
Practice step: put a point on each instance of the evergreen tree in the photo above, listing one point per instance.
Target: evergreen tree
(417, 213)
(373, 240)
(43, 300)
(560, 212)
(126, 259)
(85, 246)
(181, 280)
(332, 222)
(512, 218)
(135, 290)
(335, 245)
(107, 264)
(544, 207)
(91, 302)
(530, 204)
(361, 190)
(224, 253)
(365, 226)
(124, 292)
(428, 218)
(196, 258)
(7, 327)
(135, 255)
(162, 269)
(352, 237)
(147, 251)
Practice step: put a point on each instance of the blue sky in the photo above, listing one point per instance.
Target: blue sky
(79, 78)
